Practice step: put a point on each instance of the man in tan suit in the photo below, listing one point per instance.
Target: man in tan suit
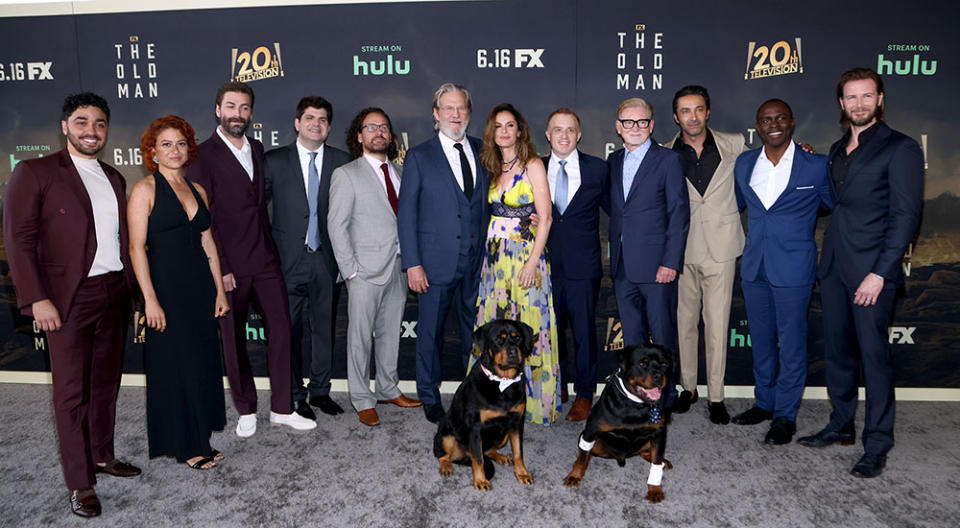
(714, 242)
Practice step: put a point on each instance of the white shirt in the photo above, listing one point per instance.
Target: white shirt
(573, 174)
(305, 168)
(769, 180)
(243, 154)
(453, 157)
(394, 178)
(106, 216)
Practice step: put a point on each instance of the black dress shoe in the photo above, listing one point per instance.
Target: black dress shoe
(718, 413)
(85, 503)
(434, 412)
(117, 469)
(827, 437)
(781, 431)
(869, 466)
(300, 407)
(326, 405)
(686, 399)
(752, 416)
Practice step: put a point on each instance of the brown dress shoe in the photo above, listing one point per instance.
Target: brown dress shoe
(118, 469)
(369, 417)
(403, 401)
(85, 503)
(579, 411)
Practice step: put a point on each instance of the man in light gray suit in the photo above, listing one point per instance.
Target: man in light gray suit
(362, 225)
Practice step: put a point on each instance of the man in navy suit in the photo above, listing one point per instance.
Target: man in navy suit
(577, 182)
(649, 218)
(442, 226)
(782, 188)
(877, 178)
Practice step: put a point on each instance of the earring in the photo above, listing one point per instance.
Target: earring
(154, 159)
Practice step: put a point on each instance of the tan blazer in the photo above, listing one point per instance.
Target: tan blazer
(715, 229)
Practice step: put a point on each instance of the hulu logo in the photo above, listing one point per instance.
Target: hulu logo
(913, 66)
(387, 66)
(738, 340)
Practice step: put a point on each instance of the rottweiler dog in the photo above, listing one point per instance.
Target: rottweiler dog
(488, 408)
(628, 419)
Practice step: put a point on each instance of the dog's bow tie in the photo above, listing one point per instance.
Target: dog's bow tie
(504, 382)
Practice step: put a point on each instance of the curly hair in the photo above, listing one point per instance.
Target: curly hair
(356, 149)
(74, 101)
(148, 140)
(490, 154)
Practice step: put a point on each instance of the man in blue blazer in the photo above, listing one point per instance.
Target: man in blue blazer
(442, 226)
(877, 178)
(649, 218)
(782, 188)
(577, 182)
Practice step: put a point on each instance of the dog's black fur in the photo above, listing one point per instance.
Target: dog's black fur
(623, 428)
(481, 418)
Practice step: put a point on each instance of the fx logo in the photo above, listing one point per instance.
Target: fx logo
(901, 335)
(39, 71)
(408, 329)
(528, 56)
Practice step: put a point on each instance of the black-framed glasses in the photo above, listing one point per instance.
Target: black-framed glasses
(630, 123)
(373, 127)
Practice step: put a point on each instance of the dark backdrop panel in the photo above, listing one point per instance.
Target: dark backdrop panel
(537, 55)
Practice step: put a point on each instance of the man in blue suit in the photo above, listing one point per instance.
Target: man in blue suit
(577, 182)
(877, 178)
(649, 218)
(442, 225)
(782, 188)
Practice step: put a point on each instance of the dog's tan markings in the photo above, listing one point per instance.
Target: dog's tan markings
(453, 452)
(519, 408)
(480, 481)
(499, 458)
(490, 414)
(654, 493)
(605, 427)
(519, 468)
(579, 468)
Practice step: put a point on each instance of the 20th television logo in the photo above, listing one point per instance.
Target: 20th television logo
(779, 59)
(261, 63)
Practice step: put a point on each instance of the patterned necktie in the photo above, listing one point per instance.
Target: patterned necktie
(313, 192)
(560, 196)
(465, 169)
(391, 192)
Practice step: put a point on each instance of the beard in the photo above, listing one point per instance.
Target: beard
(377, 147)
(82, 148)
(862, 121)
(235, 126)
(451, 133)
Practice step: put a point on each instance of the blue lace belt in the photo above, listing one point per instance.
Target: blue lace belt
(508, 211)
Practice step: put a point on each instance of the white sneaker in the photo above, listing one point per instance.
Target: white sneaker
(294, 420)
(246, 425)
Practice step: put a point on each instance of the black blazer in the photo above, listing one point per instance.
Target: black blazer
(877, 210)
(288, 202)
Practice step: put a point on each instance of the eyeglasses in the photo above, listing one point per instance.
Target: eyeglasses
(373, 127)
(630, 123)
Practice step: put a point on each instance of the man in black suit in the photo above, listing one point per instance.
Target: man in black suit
(877, 178)
(577, 181)
(298, 187)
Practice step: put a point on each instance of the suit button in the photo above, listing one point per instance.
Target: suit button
(458, 237)
(458, 216)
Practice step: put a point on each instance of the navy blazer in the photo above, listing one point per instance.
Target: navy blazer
(574, 243)
(878, 209)
(435, 219)
(655, 217)
(782, 238)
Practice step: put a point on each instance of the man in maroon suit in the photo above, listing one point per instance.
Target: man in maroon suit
(230, 167)
(65, 232)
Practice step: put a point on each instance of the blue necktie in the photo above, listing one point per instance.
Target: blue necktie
(560, 196)
(313, 191)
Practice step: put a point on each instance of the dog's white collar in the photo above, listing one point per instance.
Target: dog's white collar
(627, 393)
(504, 382)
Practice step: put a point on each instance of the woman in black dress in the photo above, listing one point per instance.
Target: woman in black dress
(176, 263)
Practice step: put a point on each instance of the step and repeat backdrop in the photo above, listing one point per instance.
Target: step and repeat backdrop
(585, 55)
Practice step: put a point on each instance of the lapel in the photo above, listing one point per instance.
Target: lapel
(326, 172)
(373, 181)
(73, 179)
(482, 184)
(798, 162)
(718, 175)
(650, 161)
(585, 182)
(748, 192)
(877, 143)
(235, 171)
(258, 181)
(615, 164)
(443, 166)
(293, 158)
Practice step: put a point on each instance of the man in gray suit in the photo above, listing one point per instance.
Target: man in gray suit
(298, 187)
(362, 223)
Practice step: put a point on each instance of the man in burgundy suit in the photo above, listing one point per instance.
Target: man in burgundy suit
(230, 167)
(65, 232)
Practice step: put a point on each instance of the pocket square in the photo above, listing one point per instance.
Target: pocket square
(805, 187)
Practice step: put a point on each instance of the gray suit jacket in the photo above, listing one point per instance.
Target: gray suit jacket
(361, 223)
(289, 211)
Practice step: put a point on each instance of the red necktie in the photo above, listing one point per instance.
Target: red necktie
(391, 192)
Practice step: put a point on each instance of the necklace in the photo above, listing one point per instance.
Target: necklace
(512, 163)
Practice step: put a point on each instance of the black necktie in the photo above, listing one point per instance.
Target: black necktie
(465, 169)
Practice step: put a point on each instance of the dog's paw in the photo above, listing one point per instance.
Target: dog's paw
(667, 464)
(500, 458)
(572, 481)
(524, 478)
(481, 485)
(654, 494)
(446, 468)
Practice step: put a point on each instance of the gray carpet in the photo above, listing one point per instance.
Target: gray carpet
(345, 474)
